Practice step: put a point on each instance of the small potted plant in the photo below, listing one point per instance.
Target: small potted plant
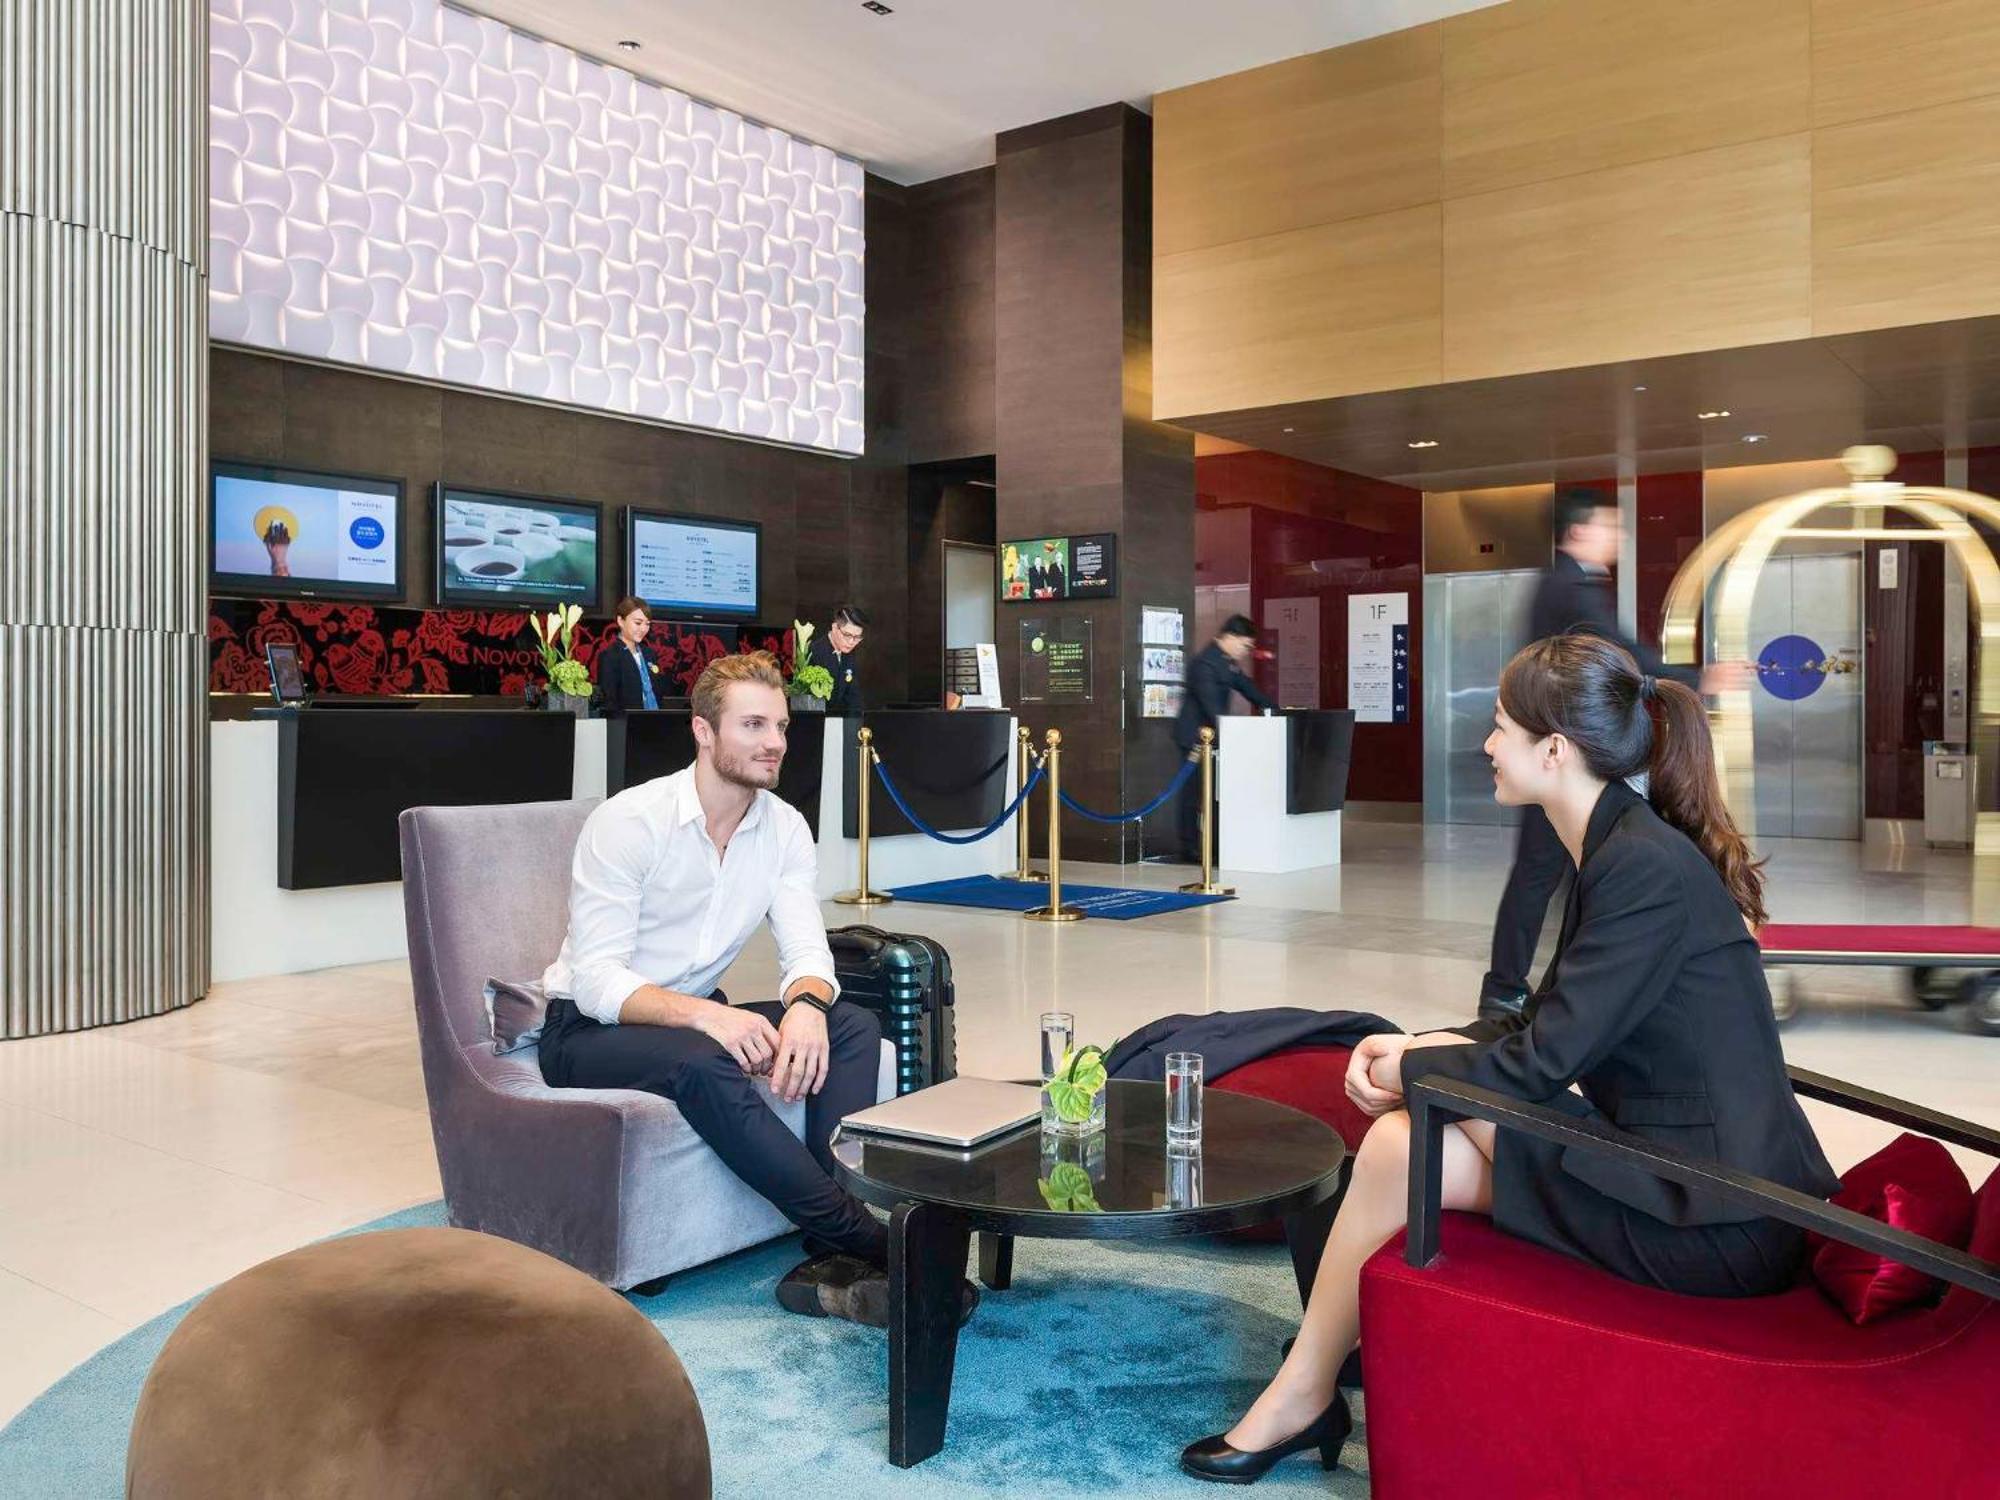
(569, 679)
(809, 686)
(1073, 1098)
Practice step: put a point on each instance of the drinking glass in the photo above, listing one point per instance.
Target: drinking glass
(1184, 1179)
(1183, 1101)
(1058, 1036)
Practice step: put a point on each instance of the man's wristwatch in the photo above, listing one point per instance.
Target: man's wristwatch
(818, 1003)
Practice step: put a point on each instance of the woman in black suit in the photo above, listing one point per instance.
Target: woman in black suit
(628, 678)
(1654, 1011)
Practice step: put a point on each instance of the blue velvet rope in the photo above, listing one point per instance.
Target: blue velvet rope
(955, 838)
(1187, 770)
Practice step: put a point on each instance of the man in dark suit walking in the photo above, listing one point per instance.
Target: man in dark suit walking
(1215, 672)
(1576, 593)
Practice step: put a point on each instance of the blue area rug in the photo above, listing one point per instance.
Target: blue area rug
(1085, 1379)
(995, 894)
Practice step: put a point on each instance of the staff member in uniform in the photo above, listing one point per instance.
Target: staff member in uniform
(1215, 673)
(628, 676)
(1576, 593)
(834, 648)
(1655, 1010)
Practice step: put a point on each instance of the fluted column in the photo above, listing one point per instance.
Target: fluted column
(103, 332)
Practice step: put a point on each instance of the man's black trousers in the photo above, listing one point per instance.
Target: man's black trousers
(724, 1106)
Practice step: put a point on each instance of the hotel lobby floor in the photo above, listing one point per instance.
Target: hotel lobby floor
(142, 1163)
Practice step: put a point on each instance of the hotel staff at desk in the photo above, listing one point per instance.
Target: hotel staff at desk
(834, 649)
(1215, 672)
(628, 677)
(1654, 1009)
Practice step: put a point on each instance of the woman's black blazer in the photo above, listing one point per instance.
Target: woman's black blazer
(618, 688)
(1656, 1007)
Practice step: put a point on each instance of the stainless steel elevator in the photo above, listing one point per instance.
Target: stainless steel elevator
(1806, 722)
(1473, 624)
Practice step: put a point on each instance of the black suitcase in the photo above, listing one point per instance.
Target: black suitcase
(906, 981)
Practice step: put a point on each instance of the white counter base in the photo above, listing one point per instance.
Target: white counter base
(258, 929)
(1257, 835)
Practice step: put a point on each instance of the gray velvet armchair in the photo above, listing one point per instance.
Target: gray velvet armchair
(613, 1181)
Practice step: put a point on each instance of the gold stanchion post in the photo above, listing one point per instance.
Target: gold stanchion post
(864, 767)
(1055, 911)
(1206, 886)
(1023, 867)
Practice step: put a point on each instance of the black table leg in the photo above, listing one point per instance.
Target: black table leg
(996, 1260)
(927, 1246)
(1305, 1236)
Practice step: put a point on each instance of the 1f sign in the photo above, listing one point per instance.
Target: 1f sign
(1378, 658)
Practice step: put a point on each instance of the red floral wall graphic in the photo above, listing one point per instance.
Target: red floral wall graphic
(359, 648)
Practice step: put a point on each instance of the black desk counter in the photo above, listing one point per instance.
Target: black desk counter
(344, 777)
(641, 746)
(1320, 743)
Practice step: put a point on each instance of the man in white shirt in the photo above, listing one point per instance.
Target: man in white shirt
(669, 881)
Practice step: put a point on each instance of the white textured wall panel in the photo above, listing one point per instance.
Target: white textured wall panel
(410, 188)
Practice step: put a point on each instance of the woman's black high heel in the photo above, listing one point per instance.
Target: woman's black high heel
(1214, 1459)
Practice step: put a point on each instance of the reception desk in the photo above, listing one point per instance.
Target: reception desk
(257, 925)
(305, 871)
(1302, 754)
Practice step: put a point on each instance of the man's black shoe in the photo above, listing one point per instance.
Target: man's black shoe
(845, 1286)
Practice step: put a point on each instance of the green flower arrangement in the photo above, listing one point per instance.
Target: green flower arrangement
(807, 680)
(1079, 1078)
(1068, 1190)
(557, 634)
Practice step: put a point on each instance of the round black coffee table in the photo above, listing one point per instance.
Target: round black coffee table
(1259, 1162)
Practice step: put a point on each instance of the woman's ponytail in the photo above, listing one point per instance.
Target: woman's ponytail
(1687, 793)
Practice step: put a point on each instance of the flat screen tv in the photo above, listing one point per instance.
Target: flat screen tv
(301, 534)
(694, 567)
(494, 548)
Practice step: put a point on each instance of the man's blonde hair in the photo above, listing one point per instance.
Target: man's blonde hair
(760, 667)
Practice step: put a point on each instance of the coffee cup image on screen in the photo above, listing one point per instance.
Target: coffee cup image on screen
(270, 528)
(503, 549)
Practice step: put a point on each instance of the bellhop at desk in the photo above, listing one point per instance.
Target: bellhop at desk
(1281, 783)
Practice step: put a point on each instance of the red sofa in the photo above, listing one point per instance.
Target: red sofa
(1504, 1370)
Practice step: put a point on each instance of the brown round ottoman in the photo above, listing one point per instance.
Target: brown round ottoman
(416, 1362)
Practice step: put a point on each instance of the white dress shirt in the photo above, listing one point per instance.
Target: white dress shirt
(651, 902)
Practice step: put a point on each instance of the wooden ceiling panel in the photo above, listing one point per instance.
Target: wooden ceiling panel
(1335, 135)
(1540, 89)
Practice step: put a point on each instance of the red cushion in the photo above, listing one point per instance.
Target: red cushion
(1913, 1184)
(1310, 1079)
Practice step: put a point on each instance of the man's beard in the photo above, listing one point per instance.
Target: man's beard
(741, 770)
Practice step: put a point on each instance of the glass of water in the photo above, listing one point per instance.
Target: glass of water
(1183, 1101)
(1058, 1036)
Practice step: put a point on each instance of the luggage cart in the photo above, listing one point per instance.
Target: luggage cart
(1937, 959)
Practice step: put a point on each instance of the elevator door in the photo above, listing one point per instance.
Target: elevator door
(1805, 633)
(1473, 624)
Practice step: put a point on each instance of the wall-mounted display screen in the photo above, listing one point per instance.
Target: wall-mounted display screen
(1059, 567)
(522, 549)
(694, 567)
(301, 534)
